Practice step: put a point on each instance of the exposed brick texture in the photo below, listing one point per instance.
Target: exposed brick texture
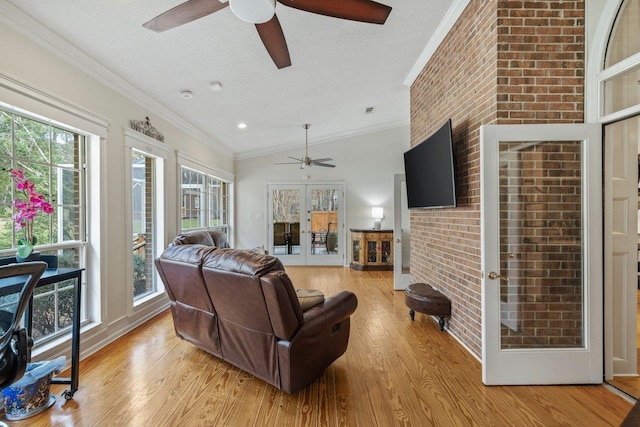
(502, 62)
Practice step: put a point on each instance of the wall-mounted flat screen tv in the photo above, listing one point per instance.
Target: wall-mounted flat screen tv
(430, 171)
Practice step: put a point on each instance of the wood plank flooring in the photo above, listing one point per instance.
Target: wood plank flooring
(631, 384)
(395, 373)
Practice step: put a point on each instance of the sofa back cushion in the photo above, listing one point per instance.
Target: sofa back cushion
(181, 273)
(202, 237)
(252, 296)
(255, 290)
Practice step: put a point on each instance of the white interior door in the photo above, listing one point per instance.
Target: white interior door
(541, 226)
(621, 245)
(306, 223)
(401, 229)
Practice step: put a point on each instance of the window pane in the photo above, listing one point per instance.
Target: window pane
(6, 188)
(5, 134)
(143, 223)
(205, 201)
(31, 139)
(624, 41)
(192, 197)
(64, 148)
(138, 192)
(622, 91)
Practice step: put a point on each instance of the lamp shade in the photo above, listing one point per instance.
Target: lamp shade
(377, 213)
(254, 11)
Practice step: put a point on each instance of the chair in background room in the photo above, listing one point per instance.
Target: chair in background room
(280, 237)
(294, 231)
(17, 282)
(332, 238)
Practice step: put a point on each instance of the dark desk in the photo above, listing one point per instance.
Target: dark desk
(50, 276)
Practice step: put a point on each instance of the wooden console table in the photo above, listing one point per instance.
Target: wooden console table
(371, 249)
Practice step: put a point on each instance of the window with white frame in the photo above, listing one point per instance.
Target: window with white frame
(205, 198)
(146, 220)
(53, 158)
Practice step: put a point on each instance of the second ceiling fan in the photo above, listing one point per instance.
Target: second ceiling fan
(262, 14)
(307, 161)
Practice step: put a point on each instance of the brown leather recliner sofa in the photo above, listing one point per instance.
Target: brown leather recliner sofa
(242, 307)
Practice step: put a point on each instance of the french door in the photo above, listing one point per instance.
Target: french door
(306, 223)
(541, 226)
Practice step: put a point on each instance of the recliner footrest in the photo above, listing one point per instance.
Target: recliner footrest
(424, 299)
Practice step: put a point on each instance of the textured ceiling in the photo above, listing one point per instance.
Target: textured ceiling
(339, 67)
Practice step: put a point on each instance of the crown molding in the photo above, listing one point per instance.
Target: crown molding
(450, 18)
(43, 36)
(329, 138)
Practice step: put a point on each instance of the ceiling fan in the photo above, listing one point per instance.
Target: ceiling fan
(306, 161)
(262, 14)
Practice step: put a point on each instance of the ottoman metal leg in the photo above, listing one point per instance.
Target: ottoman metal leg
(412, 314)
(441, 323)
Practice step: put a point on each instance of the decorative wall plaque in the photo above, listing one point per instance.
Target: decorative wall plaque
(144, 127)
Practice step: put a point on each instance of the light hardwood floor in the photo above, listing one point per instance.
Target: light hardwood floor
(631, 385)
(395, 372)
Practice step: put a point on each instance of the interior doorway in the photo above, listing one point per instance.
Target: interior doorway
(401, 232)
(622, 259)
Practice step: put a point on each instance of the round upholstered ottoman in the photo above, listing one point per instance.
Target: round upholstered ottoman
(424, 299)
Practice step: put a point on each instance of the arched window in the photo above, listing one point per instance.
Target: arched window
(625, 38)
(621, 88)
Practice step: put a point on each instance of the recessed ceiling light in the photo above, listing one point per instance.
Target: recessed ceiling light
(215, 86)
(242, 125)
(186, 94)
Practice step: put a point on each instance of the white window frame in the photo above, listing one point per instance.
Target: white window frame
(188, 162)
(149, 147)
(28, 100)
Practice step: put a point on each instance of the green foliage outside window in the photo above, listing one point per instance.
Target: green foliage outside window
(49, 157)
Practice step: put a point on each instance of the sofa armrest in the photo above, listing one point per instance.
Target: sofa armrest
(332, 311)
(322, 338)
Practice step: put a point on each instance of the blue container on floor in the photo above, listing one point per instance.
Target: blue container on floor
(30, 395)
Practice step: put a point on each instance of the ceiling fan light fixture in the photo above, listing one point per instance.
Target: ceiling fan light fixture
(253, 11)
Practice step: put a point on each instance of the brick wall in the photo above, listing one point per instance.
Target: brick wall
(502, 62)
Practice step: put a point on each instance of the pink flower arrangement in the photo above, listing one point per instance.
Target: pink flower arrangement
(26, 211)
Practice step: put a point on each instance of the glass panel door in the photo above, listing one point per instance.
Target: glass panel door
(286, 206)
(326, 231)
(306, 225)
(541, 250)
(541, 256)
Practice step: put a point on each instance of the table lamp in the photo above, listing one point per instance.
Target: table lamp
(377, 213)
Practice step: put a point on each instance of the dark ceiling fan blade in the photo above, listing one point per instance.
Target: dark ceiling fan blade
(353, 10)
(326, 159)
(296, 159)
(184, 13)
(273, 39)
(324, 165)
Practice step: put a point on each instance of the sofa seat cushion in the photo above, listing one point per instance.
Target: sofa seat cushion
(308, 298)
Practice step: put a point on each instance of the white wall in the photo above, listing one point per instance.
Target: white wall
(39, 68)
(366, 163)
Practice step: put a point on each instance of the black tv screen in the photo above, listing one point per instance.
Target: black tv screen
(430, 171)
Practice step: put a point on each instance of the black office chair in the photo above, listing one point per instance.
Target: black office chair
(17, 282)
